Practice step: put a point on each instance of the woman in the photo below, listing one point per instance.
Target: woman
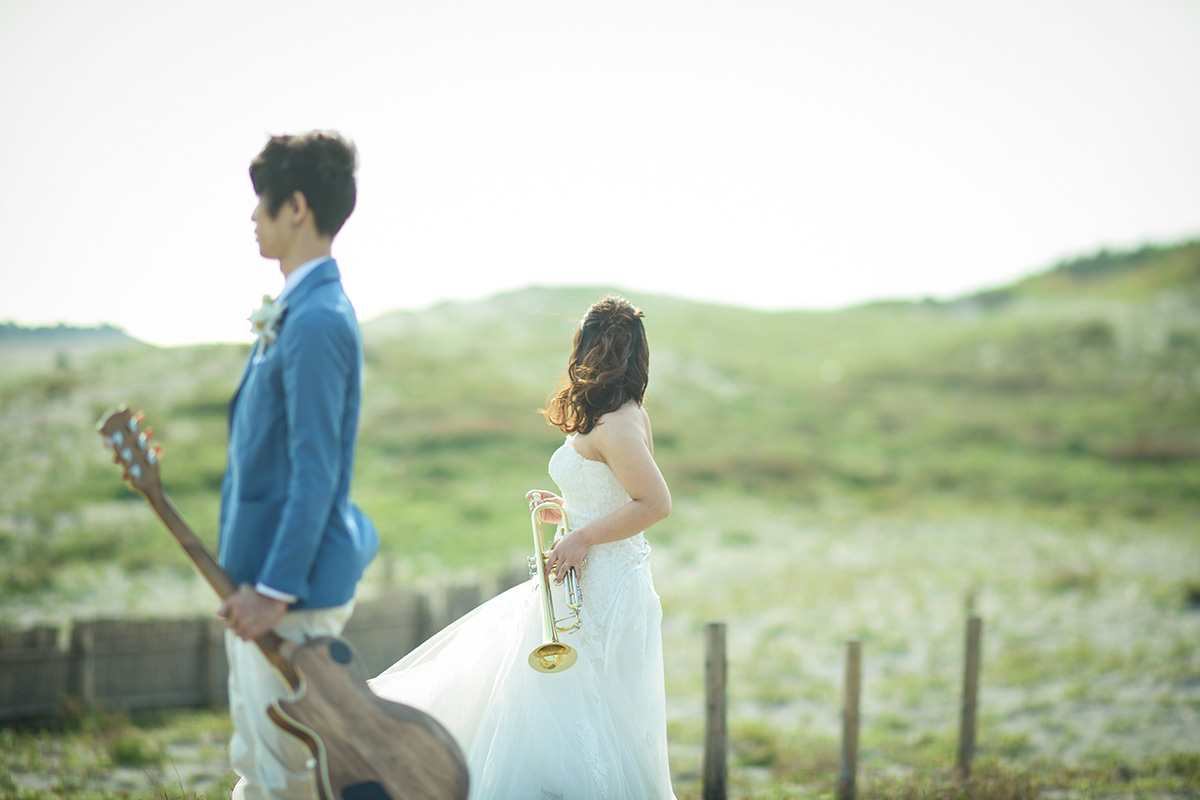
(596, 731)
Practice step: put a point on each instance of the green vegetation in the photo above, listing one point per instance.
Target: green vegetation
(1075, 396)
(98, 755)
(1030, 453)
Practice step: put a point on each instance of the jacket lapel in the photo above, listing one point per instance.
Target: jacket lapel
(241, 382)
(325, 273)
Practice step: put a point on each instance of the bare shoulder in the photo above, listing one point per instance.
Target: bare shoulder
(619, 429)
(628, 425)
(628, 420)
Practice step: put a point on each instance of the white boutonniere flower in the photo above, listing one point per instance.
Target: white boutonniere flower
(264, 322)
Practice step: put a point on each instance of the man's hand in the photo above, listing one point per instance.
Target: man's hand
(249, 614)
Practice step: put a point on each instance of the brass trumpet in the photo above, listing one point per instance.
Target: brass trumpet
(552, 655)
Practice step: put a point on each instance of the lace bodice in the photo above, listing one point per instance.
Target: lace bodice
(590, 491)
(590, 488)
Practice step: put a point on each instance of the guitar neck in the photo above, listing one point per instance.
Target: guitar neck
(129, 440)
(270, 642)
(216, 577)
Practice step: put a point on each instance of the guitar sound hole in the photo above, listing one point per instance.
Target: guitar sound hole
(339, 652)
(369, 790)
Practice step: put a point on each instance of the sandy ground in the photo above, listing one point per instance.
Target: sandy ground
(1089, 648)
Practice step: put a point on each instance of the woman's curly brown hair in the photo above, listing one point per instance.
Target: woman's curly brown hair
(608, 367)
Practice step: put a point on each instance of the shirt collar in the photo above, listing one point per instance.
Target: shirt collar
(300, 273)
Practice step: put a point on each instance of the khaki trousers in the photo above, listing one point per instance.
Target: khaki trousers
(272, 764)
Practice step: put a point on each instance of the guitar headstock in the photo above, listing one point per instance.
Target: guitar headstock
(129, 440)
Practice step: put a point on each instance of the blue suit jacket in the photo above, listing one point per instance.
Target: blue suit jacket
(286, 516)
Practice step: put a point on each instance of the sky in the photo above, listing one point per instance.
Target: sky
(771, 154)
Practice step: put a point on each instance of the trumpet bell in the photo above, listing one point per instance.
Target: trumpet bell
(553, 657)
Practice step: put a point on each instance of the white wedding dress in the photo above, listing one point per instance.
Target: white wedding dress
(594, 732)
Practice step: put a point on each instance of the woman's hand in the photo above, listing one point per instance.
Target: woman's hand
(569, 552)
(551, 516)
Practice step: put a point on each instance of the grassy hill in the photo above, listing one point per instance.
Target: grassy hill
(1071, 392)
(25, 351)
(1031, 451)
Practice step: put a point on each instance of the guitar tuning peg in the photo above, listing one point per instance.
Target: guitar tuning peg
(153, 456)
(142, 439)
(117, 438)
(135, 471)
(127, 455)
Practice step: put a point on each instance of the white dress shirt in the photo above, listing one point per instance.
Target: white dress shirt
(300, 273)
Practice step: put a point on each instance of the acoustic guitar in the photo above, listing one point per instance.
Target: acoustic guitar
(364, 747)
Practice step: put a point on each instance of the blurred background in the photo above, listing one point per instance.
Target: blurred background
(922, 287)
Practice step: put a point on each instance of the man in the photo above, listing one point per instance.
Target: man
(290, 537)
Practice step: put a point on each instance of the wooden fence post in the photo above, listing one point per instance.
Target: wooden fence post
(83, 663)
(966, 735)
(216, 686)
(715, 774)
(848, 771)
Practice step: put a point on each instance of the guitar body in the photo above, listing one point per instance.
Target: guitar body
(366, 748)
